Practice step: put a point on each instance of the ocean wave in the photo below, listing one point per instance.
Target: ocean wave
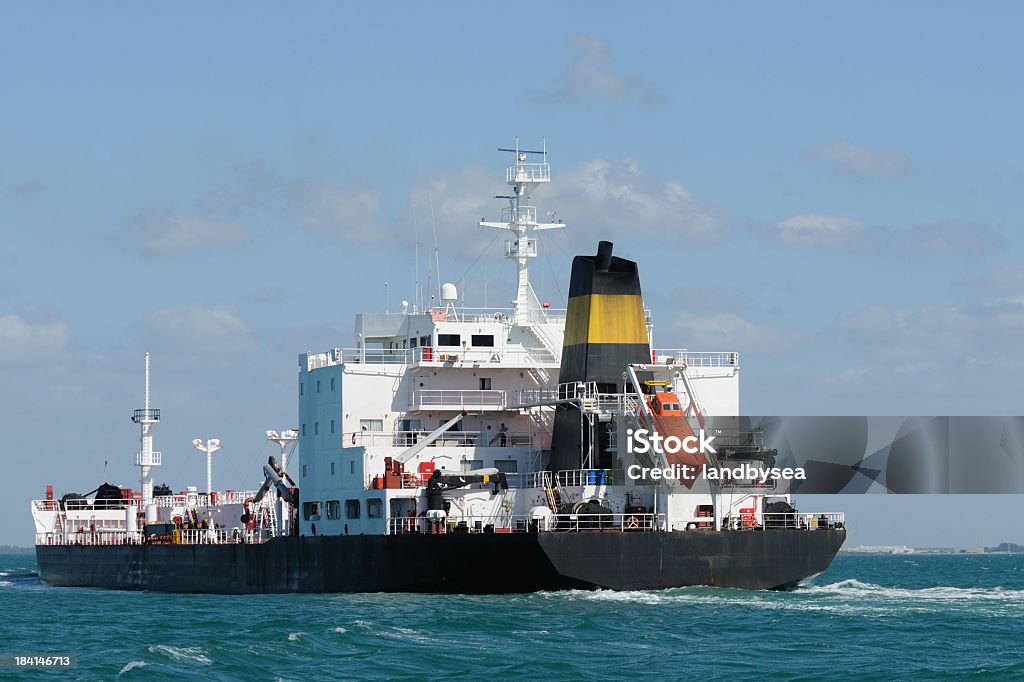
(131, 666)
(340, 630)
(187, 653)
(6, 583)
(854, 587)
(293, 636)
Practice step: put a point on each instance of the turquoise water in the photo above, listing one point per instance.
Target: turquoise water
(905, 617)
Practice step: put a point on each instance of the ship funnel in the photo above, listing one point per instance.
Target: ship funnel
(605, 329)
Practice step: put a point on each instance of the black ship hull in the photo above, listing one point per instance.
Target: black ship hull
(456, 563)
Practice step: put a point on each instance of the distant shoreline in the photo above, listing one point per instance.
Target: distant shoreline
(10, 549)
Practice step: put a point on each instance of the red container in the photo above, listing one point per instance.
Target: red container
(426, 468)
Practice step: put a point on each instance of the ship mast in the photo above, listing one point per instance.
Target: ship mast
(520, 219)
(146, 458)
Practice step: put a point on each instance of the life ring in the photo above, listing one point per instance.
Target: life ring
(632, 522)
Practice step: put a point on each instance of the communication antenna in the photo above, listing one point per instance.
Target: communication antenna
(524, 175)
(211, 446)
(146, 458)
(284, 439)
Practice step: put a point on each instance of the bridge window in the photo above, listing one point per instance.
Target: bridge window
(485, 383)
(486, 340)
(470, 464)
(333, 509)
(449, 339)
(506, 466)
(352, 509)
(371, 424)
(311, 511)
(374, 508)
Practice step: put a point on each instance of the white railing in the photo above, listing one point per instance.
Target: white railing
(453, 398)
(406, 439)
(525, 214)
(583, 477)
(455, 355)
(191, 536)
(528, 172)
(523, 523)
(154, 459)
(681, 356)
(552, 393)
(768, 521)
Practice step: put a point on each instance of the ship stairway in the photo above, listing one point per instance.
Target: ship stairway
(554, 499)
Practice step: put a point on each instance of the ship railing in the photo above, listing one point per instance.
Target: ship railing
(583, 477)
(189, 499)
(405, 439)
(442, 398)
(45, 505)
(524, 523)
(573, 391)
(528, 172)
(99, 536)
(769, 521)
(458, 356)
(530, 479)
(682, 356)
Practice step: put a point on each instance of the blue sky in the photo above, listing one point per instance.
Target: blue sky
(834, 192)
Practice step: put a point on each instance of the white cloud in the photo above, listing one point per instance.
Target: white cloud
(342, 212)
(730, 332)
(348, 212)
(165, 234)
(859, 161)
(198, 328)
(810, 229)
(593, 77)
(268, 294)
(23, 340)
(598, 199)
(1006, 278)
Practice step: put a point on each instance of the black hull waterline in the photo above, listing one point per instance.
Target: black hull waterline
(484, 563)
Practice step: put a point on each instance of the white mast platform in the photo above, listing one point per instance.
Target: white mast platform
(520, 219)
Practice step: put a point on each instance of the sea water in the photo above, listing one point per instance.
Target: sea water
(868, 616)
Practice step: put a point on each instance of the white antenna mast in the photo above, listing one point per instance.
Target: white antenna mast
(146, 458)
(520, 219)
(437, 258)
(211, 446)
(283, 439)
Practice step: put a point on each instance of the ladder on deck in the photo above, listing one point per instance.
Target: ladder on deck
(554, 499)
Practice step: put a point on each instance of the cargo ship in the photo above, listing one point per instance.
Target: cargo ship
(470, 450)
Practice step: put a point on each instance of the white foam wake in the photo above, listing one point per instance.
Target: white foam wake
(131, 666)
(185, 653)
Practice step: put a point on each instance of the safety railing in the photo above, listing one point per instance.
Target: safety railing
(681, 356)
(178, 536)
(769, 521)
(522, 523)
(583, 477)
(406, 439)
(456, 398)
(528, 172)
